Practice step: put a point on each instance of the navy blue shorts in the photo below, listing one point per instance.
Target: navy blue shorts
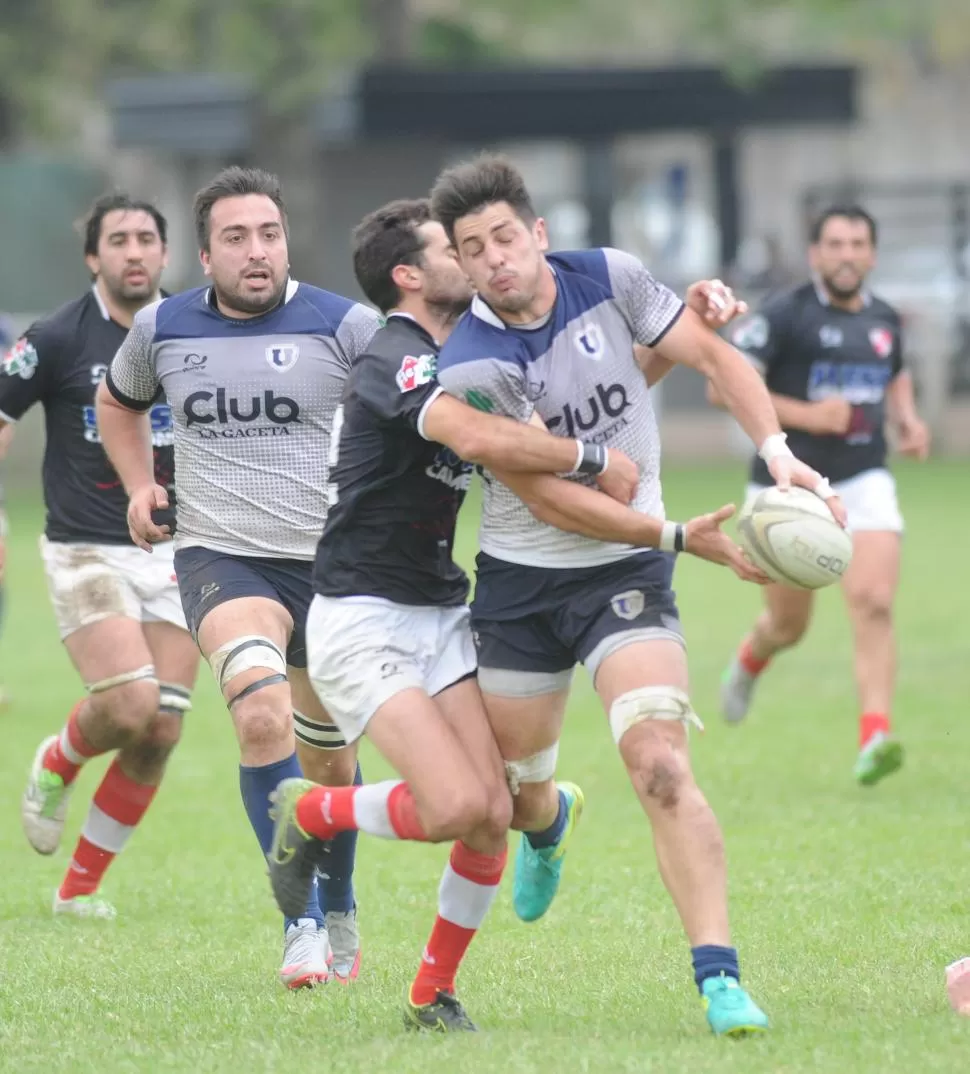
(207, 579)
(543, 619)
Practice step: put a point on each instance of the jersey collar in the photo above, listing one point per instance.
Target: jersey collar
(402, 316)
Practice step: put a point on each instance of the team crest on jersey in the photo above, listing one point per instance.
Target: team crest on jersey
(282, 356)
(416, 371)
(751, 334)
(628, 605)
(882, 341)
(20, 360)
(590, 342)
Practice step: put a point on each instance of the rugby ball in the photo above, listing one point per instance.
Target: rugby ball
(794, 538)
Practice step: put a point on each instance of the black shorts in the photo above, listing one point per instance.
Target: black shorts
(207, 579)
(546, 620)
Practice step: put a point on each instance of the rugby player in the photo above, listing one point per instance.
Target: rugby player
(831, 354)
(553, 335)
(253, 367)
(389, 645)
(117, 609)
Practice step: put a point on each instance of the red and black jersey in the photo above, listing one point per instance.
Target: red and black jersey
(394, 496)
(59, 362)
(808, 349)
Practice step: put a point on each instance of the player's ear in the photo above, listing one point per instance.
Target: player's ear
(541, 234)
(164, 256)
(406, 277)
(206, 262)
(94, 264)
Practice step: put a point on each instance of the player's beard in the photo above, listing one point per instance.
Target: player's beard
(841, 293)
(131, 295)
(448, 300)
(236, 299)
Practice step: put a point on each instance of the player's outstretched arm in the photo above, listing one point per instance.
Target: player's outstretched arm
(714, 302)
(504, 444)
(577, 509)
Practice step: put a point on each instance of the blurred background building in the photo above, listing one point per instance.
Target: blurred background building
(699, 135)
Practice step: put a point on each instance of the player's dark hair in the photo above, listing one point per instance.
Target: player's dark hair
(109, 203)
(476, 184)
(847, 211)
(234, 182)
(384, 239)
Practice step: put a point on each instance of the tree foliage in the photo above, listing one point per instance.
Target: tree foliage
(55, 54)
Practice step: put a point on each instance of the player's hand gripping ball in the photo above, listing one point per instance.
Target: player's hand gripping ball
(794, 538)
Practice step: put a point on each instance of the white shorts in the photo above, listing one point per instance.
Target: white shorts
(91, 582)
(869, 498)
(361, 651)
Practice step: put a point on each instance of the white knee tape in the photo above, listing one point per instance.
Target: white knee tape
(535, 769)
(243, 654)
(651, 703)
(174, 698)
(142, 674)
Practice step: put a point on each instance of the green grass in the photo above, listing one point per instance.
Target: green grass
(847, 904)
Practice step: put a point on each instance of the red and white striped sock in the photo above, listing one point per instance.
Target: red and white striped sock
(468, 889)
(383, 809)
(119, 804)
(66, 756)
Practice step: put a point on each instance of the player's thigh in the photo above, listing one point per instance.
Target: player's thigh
(324, 754)
(632, 645)
(239, 622)
(369, 663)
(174, 653)
(110, 650)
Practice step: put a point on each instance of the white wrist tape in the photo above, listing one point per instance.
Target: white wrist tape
(668, 534)
(774, 447)
(579, 457)
(824, 489)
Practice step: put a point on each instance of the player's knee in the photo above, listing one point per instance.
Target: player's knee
(499, 810)
(129, 707)
(788, 628)
(262, 722)
(659, 771)
(873, 604)
(150, 752)
(452, 815)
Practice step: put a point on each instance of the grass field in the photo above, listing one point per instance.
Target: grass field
(847, 903)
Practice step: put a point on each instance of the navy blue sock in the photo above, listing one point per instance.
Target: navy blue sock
(257, 783)
(553, 833)
(711, 960)
(337, 873)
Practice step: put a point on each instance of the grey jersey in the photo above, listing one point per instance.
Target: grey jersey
(577, 370)
(252, 403)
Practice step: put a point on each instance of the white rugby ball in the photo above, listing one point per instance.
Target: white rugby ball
(794, 538)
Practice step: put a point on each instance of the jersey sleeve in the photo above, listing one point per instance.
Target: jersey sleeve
(132, 378)
(495, 385)
(356, 331)
(761, 336)
(397, 392)
(25, 371)
(649, 306)
(898, 360)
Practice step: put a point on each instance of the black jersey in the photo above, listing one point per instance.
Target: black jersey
(59, 362)
(394, 496)
(811, 350)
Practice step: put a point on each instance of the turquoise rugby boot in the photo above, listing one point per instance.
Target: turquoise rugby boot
(537, 872)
